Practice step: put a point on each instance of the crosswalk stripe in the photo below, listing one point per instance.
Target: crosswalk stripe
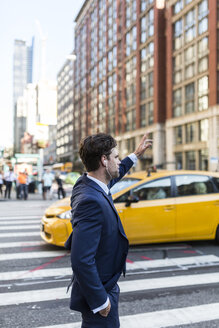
(43, 273)
(171, 318)
(21, 244)
(30, 255)
(21, 217)
(12, 222)
(170, 262)
(163, 318)
(26, 227)
(14, 275)
(125, 286)
(19, 234)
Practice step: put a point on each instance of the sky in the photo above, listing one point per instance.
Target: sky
(17, 21)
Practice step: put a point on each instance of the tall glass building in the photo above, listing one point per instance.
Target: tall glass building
(22, 75)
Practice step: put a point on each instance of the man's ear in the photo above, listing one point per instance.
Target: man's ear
(104, 161)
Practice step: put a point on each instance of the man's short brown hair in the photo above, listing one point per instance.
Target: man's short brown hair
(93, 147)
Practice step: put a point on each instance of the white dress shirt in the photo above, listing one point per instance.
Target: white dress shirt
(134, 159)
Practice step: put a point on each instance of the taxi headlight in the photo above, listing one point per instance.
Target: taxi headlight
(65, 215)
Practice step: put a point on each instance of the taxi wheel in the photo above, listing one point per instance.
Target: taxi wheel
(217, 234)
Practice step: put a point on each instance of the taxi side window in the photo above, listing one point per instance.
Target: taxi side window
(123, 198)
(216, 182)
(158, 189)
(193, 185)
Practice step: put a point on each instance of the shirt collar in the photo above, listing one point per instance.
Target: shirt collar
(100, 183)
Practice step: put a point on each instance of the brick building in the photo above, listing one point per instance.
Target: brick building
(149, 66)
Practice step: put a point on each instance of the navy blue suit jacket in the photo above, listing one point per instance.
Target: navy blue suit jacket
(98, 243)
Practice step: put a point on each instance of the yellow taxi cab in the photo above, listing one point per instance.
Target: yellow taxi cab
(163, 207)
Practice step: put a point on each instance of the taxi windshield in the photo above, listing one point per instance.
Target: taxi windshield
(122, 184)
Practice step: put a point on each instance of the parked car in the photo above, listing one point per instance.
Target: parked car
(164, 207)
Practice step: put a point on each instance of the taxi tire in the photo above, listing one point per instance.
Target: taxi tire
(217, 235)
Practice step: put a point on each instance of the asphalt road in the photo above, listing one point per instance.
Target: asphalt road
(167, 285)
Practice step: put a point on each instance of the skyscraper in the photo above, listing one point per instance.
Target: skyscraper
(22, 75)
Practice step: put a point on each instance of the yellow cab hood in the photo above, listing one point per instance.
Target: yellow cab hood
(58, 207)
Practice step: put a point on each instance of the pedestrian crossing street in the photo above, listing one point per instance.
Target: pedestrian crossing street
(36, 274)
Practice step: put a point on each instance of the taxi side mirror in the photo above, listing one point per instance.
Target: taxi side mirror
(131, 199)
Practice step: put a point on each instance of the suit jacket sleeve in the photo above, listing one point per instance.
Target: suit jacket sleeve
(87, 226)
(124, 167)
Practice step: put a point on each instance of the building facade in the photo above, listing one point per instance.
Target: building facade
(192, 119)
(150, 66)
(22, 75)
(64, 141)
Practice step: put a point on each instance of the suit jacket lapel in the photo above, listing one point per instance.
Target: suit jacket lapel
(94, 185)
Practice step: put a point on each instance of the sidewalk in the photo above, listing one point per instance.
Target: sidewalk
(31, 197)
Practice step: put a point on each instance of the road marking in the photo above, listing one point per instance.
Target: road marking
(26, 227)
(21, 244)
(19, 234)
(172, 262)
(170, 318)
(169, 282)
(12, 222)
(198, 260)
(22, 217)
(163, 318)
(30, 255)
(43, 273)
(125, 287)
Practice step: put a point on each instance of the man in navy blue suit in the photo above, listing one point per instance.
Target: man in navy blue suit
(98, 244)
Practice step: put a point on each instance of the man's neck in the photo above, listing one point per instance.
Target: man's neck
(99, 176)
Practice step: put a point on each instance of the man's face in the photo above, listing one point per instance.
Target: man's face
(113, 163)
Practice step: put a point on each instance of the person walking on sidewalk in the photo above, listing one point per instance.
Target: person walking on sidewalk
(60, 190)
(1, 182)
(98, 242)
(22, 180)
(9, 178)
(47, 183)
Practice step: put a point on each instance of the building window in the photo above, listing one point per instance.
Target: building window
(131, 12)
(130, 120)
(190, 160)
(190, 132)
(147, 57)
(147, 85)
(203, 64)
(203, 46)
(178, 135)
(190, 98)
(178, 161)
(177, 102)
(131, 41)
(203, 159)
(178, 34)
(203, 93)
(147, 26)
(143, 116)
(202, 17)
(178, 7)
(143, 87)
(145, 4)
(190, 62)
(177, 68)
(190, 28)
(147, 114)
(203, 130)
(150, 112)
(112, 56)
(102, 68)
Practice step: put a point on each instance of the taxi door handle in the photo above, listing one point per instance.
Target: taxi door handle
(169, 208)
